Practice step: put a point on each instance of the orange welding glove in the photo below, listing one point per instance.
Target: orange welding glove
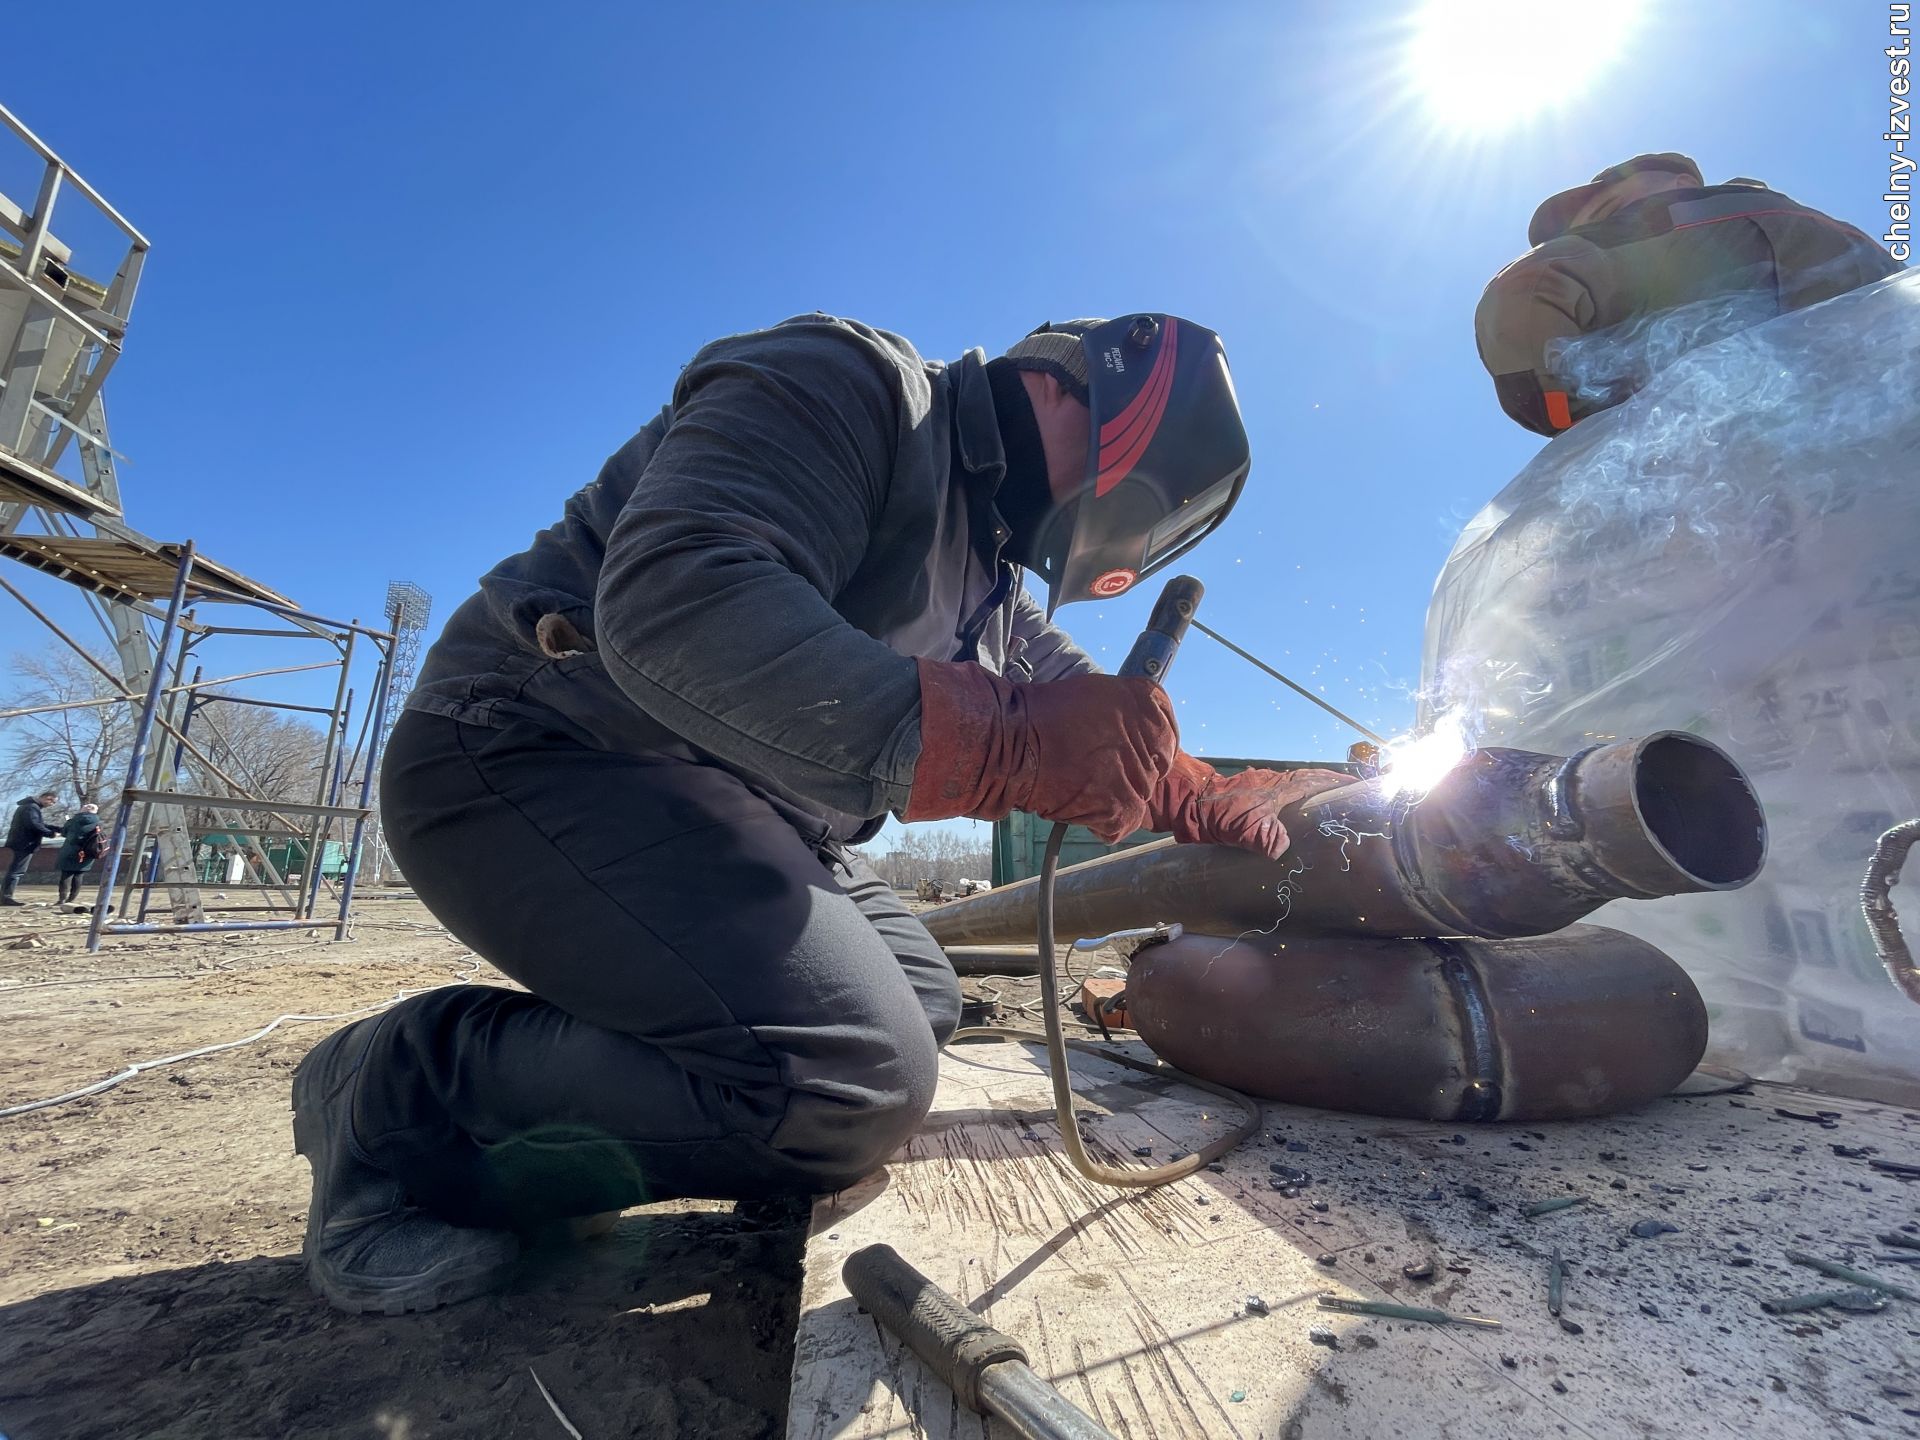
(1089, 749)
(1200, 806)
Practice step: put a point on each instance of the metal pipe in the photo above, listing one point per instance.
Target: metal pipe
(124, 698)
(142, 734)
(147, 886)
(986, 1370)
(153, 780)
(339, 783)
(187, 707)
(1509, 843)
(46, 153)
(154, 776)
(376, 717)
(336, 739)
(182, 899)
(1585, 1022)
(294, 612)
(994, 960)
(1032, 1409)
(204, 926)
(226, 885)
(263, 704)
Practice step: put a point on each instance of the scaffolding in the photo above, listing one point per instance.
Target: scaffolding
(60, 334)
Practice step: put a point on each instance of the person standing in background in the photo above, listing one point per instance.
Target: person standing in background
(83, 846)
(29, 828)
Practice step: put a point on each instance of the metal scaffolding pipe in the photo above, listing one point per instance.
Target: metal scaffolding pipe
(136, 758)
(376, 713)
(1509, 843)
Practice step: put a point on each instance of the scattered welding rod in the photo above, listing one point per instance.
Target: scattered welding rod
(1556, 1283)
(1850, 1275)
(1547, 1207)
(1895, 1238)
(1896, 1167)
(1389, 1311)
(1858, 1301)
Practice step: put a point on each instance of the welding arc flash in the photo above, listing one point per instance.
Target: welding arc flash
(1415, 765)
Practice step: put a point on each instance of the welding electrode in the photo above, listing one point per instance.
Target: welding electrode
(986, 1370)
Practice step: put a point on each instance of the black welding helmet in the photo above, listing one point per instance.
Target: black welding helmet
(1168, 456)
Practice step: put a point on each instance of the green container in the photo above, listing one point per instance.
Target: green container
(1021, 839)
(286, 854)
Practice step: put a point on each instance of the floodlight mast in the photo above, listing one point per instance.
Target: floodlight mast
(408, 609)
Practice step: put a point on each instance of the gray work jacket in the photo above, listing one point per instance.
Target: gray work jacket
(751, 575)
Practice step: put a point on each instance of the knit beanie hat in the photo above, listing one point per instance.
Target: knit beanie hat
(1055, 349)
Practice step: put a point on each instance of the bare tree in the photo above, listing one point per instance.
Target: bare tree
(251, 753)
(80, 753)
(267, 756)
(931, 853)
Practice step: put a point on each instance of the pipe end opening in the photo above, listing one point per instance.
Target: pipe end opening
(1701, 808)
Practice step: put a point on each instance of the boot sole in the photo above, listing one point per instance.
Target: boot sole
(446, 1284)
(413, 1296)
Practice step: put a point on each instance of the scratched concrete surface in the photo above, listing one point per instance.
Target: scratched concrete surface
(1135, 1303)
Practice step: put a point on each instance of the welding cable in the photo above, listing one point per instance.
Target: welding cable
(1057, 1043)
(1876, 903)
(142, 1066)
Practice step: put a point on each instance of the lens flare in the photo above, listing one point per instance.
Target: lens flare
(1416, 764)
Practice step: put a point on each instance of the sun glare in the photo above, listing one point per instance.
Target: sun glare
(1485, 65)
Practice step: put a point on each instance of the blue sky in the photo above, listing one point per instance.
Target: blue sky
(418, 269)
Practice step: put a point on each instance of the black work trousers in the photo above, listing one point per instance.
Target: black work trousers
(19, 858)
(724, 1004)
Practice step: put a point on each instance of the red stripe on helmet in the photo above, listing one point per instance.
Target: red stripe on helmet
(1162, 365)
(1125, 438)
(1118, 460)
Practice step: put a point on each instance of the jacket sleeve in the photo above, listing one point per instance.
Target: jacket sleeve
(1047, 650)
(1539, 300)
(714, 610)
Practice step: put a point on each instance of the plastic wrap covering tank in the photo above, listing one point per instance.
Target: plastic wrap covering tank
(1510, 842)
(1585, 1022)
(1735, 551)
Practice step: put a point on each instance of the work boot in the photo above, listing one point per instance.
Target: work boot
(369, 1248)
(6, 892)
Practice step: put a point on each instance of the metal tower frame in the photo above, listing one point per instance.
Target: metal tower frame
(60, 334)
(408, 608)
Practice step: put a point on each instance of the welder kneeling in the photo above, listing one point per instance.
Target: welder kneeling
(635, 760)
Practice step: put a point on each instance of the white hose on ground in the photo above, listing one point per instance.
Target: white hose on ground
(142, 1066)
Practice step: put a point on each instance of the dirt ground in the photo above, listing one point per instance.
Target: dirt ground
(149, 1236)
